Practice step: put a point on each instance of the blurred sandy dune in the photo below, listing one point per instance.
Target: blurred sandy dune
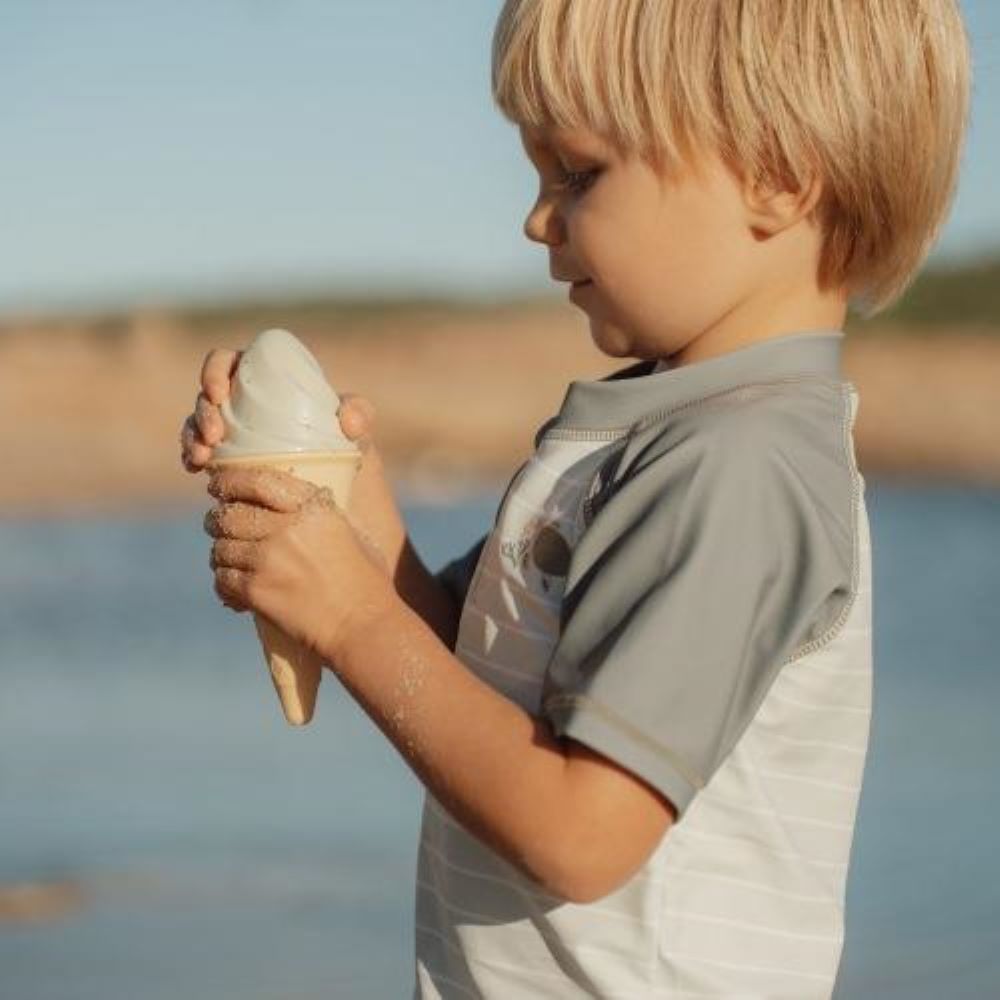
(90, 409)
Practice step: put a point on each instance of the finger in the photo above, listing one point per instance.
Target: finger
(233, 604)
(231, 587)
(357, 418)
(194, 454)
(270, 488)
(230, 553)
(229, 600)
(244, 522)
(218, 368)
(208, 420)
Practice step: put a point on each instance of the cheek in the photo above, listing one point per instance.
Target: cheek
(585, 236)
(682, 277)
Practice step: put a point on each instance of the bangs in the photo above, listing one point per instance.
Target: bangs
(597, 65)
(872, 96)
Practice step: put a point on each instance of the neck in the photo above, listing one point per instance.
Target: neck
(752, 321)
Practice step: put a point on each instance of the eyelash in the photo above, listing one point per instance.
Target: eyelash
(573, 182)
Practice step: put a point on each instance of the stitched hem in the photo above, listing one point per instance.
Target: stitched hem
(563, 701)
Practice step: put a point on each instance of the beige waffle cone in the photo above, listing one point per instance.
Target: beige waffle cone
(295, 670)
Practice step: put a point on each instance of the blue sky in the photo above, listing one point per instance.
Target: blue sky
(156, 151)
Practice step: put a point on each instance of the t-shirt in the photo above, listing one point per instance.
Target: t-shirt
(680, 578)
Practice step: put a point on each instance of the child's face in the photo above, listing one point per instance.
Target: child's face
(667, 261)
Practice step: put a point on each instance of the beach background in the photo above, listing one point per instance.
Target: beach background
(186, 178)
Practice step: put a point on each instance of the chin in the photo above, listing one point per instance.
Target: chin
(610, 340)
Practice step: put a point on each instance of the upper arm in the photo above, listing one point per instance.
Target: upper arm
(618, 820)
(695, 582)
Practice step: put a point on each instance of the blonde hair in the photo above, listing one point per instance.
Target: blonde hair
(871, 94)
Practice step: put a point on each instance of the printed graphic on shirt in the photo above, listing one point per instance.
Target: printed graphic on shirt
(540, 552)
(511, 616)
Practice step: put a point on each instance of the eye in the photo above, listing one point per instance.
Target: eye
(579, 180)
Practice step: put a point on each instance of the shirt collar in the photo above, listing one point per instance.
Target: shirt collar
(625, 396)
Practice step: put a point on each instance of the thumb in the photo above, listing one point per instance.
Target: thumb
(357, 419)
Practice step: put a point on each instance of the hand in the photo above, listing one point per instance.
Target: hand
(204, 428)
(285, 550)
(372, 506)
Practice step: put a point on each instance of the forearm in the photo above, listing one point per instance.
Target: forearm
(498, 770)
(376, 516)
(419, 588)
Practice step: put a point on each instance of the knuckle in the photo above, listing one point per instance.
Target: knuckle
(230, 581)
(241, 517)
(213, 522)
(215, 481)
(204, 411)
(221, 552)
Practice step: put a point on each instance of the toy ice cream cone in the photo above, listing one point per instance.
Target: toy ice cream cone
(282, 414)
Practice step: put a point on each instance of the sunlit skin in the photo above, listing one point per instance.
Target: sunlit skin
(350, 585)
(680, 270)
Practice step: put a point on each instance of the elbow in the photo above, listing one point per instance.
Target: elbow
(589, 890)
(588, 867)
(577, 877)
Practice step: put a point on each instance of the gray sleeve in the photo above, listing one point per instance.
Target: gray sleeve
(704, 571)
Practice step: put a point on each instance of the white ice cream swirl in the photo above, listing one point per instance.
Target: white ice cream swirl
(280, 401)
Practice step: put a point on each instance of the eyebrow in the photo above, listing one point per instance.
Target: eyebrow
(555, 144)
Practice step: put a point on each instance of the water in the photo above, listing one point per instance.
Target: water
(222, 854)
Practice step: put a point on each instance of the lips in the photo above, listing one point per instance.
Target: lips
(580, 284)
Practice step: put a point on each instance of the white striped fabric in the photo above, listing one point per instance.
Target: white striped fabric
(745, 895)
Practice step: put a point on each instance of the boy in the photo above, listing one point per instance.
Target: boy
(640, 704)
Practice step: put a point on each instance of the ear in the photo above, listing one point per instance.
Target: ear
(774, 206)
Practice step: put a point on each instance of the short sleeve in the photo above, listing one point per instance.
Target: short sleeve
(700, 575)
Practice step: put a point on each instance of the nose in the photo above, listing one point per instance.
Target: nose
(543, 224)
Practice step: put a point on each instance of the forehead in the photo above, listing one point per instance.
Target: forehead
(541, 140)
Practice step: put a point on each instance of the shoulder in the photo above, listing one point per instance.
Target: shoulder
(799, 419)
(764, 433)
(764, 470)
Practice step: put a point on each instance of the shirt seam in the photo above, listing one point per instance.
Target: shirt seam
(568, 700)
(847, 390)
(657, 416)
